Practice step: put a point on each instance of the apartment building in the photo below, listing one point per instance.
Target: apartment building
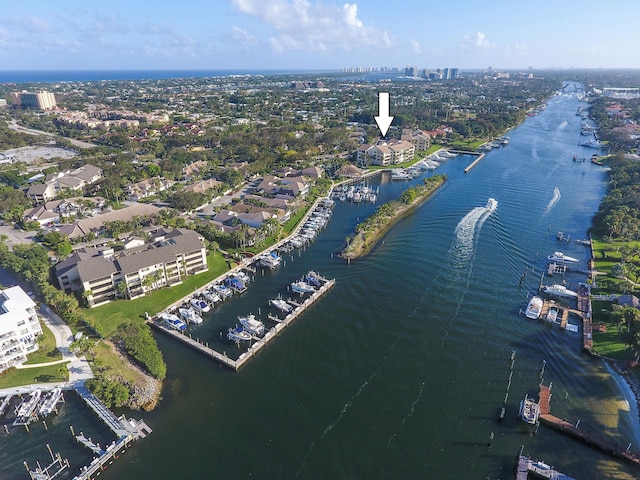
(19, 327)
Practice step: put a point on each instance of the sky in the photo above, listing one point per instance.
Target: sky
(318, 34)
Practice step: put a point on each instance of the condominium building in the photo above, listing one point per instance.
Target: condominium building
(38, 101)
(385, 153)
(19, 327)
(104, 274)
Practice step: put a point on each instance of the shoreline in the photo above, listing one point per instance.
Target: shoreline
(362, 246)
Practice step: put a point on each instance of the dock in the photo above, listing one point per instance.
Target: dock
(474, 163)
(94, 447)
(222, 358)
(55, 468)
(588, 437)
(538, 469)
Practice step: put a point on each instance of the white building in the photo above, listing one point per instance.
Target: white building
(19, 327)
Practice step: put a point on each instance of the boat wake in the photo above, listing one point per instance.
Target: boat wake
(553, 201)
(408, 415)
(466, 234)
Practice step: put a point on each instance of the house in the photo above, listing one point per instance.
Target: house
(42, 215)
(629, 301)
(190, 170)
(203, 186)
(41, 193)
(350, 171)
(19, 327)
(164, 262)
(147, 187)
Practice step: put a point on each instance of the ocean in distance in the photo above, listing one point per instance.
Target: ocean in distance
(54, 76)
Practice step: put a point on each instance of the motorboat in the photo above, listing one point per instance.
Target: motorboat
(172, 321)
(50, 401)
(492, 204)
(238, 334)
(200, 305)
(562, 258)
(302, 287)
(235, 284)
(529, 411)
(281, 305)
(222, 290)
(399, 174)
(27, 407)
(252, 325)
(559, 291)
(211, 296)
(189, 315)
(552, 315)
(534, 308)
(313, 279)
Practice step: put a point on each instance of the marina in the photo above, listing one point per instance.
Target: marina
(260, 341)
(538, 469)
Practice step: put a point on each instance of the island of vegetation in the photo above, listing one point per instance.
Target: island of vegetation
(386, 215)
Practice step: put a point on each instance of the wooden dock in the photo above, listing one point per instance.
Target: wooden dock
(539, 470)
(588, 437)
(255, 347)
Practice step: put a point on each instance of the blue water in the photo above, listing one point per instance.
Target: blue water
(399, 371)
(50, 76)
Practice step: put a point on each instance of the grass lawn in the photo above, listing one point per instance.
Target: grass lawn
(47, 351)
(107, 360)
(116, 313)
(27, 376)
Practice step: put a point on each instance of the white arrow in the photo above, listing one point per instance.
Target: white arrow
(383, 119)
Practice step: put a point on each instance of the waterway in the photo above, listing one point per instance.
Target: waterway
(400, 370)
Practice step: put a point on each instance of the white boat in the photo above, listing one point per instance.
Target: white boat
(562, 258)
(534, 308)
(552, 315)
(200, 305)
(492, 204)
(592, 143)
(302, 287)
(222, 290)
(173, 321)
(529, 411)
(238, 334)
(399, 174)
(50, 401)
(28, 406)
(252, 325)
(190, 315)
(211, 296)
(281, 305)
(559, 291)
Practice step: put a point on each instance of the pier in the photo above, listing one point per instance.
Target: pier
(538, 469)
(588, 437)
(55, 468)
(475, 162)
(281, 324)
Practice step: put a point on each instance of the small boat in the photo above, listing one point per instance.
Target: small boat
(238, 334)
(561, 257)
(552, 315)
(399, 174)
(534, 308)
(200, 305)
(222, 290)
(211, 296)
(172, 321)
(235, 284)
(252, 325)
(50, 401)
(302, 287)
(281, 305)
(491, 205)
(190, 315)
(27, 407)
(312, 279)
(559, 291)
(529, 411)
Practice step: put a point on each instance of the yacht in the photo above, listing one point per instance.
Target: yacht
(211, 296)
(200, 305)
(252, 325)
(592, 143)
(190, 315)
(172, 321)
(534, 308)
(492, 204)
(238, 335)
(281, 305)
(222, 290)
(399, 174)
(559, 291)
(302, 287)
(529, 411)
(562, 258)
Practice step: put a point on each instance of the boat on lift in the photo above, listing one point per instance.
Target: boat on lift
(561, 258)
(238, 334)
(534, 308)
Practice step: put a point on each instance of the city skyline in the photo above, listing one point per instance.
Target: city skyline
(314, 34)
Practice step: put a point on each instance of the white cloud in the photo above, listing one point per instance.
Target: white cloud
(109, 24)
(242, 35)
(476, 42)
(313, 26)
(416, 47)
